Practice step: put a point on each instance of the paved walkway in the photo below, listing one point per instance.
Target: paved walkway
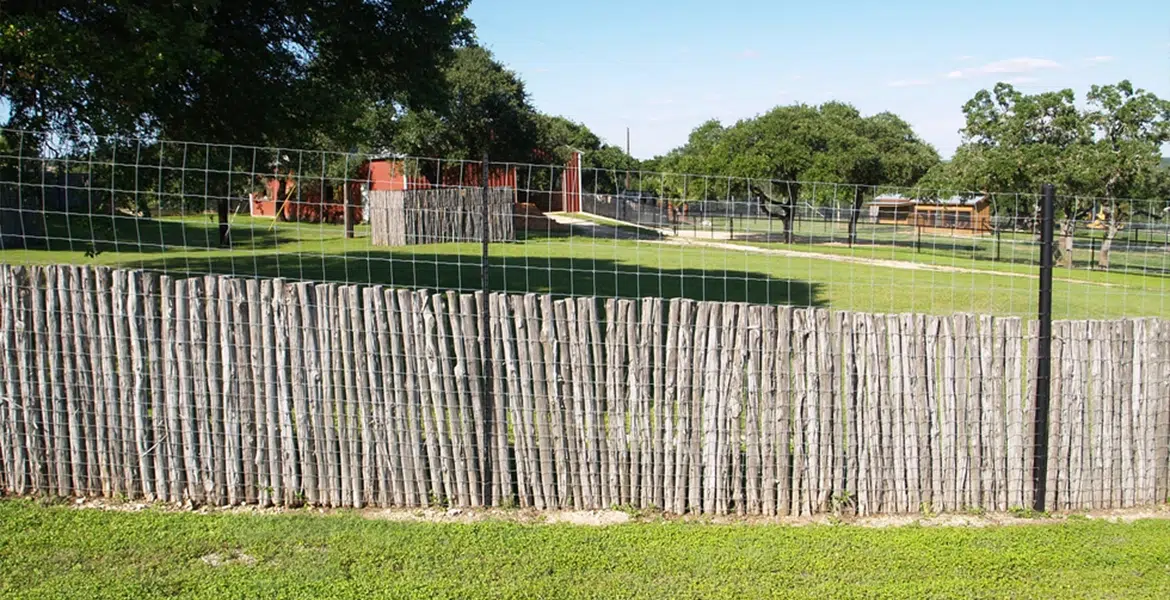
(597, 230)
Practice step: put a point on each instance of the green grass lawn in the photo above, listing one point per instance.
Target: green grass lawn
(578, 265)
(1141, 251)
(63, 552)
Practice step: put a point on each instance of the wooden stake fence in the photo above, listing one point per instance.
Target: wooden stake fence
(225, 391)
(440, 215)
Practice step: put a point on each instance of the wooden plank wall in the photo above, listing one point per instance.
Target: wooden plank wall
(219, 390)
(440, 215)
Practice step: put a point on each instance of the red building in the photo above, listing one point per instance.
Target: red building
(376, 174)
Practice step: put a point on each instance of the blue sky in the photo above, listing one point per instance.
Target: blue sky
(662, 68)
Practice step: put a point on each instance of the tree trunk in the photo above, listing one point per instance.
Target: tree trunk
(854, 215)
(1107, 244)
(789, 217)
(281, 203)
(225, 240)
(1064, 253)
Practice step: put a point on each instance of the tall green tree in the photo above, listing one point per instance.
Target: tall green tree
(487, 109)
(605, 165)
(272, 72)
(831, 143)
(1014, 142)
(1130, 127)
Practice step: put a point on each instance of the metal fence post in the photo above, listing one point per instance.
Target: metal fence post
(1044, 349)
(489, 411)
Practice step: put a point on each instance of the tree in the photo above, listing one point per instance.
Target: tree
(487, 110)
(1014, 142)
(557, 138)
(1130, 126)
(831, 143)
(273, 72)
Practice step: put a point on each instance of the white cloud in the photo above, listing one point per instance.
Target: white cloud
(797, 77)
(1019, 80)
(1011, 66)
(1019, 65)
(749, 54)
(1096, 60)
(899, 83)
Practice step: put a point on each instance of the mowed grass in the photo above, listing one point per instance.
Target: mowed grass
(937, 281)
(63, 552)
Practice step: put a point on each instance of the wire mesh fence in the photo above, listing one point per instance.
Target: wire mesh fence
(226, 324)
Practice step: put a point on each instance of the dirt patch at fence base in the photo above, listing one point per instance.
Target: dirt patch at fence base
(590, 517)
(595, 518)
(602, 518)
(223, 559)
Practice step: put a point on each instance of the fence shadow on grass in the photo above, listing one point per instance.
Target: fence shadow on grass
(556, 276)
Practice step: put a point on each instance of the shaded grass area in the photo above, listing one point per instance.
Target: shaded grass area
(52, 552)
(578, 265)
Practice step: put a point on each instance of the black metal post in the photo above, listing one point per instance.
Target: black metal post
(1044, 350)
(489, 410)
(225, 239)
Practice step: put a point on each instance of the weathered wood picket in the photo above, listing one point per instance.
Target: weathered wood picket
(218, 390)
(440, 215)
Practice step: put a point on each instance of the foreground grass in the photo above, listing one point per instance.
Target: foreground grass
(581, 266)
(58, 552)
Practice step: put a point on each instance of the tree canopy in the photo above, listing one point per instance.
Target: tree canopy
(275, 72)
(773, 153)
(830, 143)
(1106, 152)
(486, 109)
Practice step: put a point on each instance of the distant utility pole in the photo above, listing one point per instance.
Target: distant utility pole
(628, 154)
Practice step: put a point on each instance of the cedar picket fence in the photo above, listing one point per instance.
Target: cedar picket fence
(220, 390)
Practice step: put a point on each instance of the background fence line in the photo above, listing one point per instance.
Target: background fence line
(221, 390)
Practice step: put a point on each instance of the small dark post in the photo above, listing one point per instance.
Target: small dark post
(347, 210)
(225, 237)
(1044, 350)
(489, 409)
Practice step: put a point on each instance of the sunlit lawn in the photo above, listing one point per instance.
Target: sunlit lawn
(578, 265)
(63, 552)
